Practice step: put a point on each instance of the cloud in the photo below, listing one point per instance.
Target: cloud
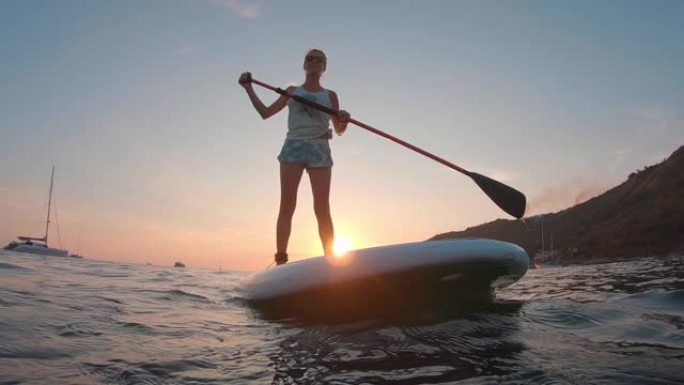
(589, 191)
(568, 194)
(248, 9)
(500, 175)
(185, 48)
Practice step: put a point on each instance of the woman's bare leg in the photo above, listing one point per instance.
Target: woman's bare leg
(320, 187)
(290, 175)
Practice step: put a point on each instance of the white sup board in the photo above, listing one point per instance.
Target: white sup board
(391, 275)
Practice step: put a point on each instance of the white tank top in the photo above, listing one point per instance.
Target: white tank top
(305, 122)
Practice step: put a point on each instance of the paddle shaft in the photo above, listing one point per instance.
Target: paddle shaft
(374, 130)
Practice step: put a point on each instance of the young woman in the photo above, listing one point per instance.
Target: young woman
(306, 147)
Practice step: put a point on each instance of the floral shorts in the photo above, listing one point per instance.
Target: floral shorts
(310, 153)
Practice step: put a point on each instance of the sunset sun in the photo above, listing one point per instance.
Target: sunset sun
(342, 245)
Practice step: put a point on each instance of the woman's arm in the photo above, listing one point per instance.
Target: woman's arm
(265, 112)
(341, 119)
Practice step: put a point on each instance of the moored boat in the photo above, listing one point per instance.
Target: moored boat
(39, 245)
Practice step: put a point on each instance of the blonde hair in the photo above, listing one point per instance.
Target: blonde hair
(317, 50)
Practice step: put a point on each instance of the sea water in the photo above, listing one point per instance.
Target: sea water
(71, 321)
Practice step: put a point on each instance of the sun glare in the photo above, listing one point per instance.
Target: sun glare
(341, 246)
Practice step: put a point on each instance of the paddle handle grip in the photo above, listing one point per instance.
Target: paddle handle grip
(374, 130)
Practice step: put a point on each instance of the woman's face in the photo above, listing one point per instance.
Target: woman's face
(315, 62)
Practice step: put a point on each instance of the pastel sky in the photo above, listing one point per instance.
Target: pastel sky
(160, 156)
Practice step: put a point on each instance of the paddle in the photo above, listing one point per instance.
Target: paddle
(507, 198)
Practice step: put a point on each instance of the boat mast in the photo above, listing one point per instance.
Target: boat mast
(542, 238)
(47, 221)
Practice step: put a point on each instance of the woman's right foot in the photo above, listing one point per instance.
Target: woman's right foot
(280, 258)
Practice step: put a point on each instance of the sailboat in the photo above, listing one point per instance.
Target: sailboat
(35, 245)
(78, 248)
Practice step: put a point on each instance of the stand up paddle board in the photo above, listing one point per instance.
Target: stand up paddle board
(396, 275)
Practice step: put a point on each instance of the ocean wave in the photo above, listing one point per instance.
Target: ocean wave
(10, 266)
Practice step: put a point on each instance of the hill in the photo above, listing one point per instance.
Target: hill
(643, 216)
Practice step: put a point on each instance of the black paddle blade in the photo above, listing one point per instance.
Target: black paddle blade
(507, 198)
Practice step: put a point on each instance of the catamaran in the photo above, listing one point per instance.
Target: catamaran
(36, 245)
